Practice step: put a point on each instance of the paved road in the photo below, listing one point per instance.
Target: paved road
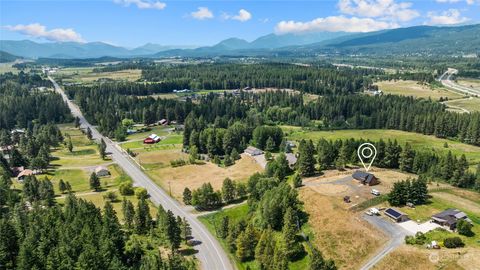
(395, 232)
(445, 79)
(210, 253)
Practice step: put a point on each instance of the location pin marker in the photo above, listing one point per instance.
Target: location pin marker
(366, 152)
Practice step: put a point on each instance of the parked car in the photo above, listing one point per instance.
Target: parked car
(375, 192)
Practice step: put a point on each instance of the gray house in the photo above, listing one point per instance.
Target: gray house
(450, 218)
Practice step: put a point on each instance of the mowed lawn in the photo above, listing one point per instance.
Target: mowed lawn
(418, 141)
(235, 214)
(413, 88)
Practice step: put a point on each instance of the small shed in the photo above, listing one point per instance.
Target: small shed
(396, 215)
(102, 171)
(163, 122)
(365, 178)
(253, 151)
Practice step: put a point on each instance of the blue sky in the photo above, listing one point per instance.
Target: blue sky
(136, 22)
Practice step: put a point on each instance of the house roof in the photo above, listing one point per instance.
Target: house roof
(450, 216)
(363, 176)
(253, 150)
(394, 213)
(291, 158)
(26, 172)
(100, 168)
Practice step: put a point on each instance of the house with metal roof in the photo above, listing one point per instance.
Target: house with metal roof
(365, 178)
(253, 151)
(450, 218)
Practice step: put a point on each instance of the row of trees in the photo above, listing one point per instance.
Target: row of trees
(207, 198)
(339, 153)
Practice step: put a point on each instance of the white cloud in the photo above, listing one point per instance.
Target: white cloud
(334, 24)
(243, 16)
(470, 2)
(384, 9)
(40, 31)
(451, 16)
(202, 13)
(142, 4)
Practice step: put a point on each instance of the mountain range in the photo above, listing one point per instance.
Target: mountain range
(417, 39)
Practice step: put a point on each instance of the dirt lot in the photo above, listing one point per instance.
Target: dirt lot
(340, 183)
(193, 176)
(409, 257)
(340, 234)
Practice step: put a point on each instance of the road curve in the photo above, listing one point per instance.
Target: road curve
(210, 253)
(447, 82)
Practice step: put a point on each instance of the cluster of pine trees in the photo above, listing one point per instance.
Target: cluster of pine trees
(29, 149)
(36, 233)
(337, 154)
(409, 191)
(269, 234)
(206, 198)
(21, 102)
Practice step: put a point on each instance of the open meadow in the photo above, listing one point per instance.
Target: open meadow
(471, 104)
(413, 88)
(87, 75)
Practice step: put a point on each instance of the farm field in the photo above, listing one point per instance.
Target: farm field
(339, 233)
(86, 75)
(418, 141)
(412, 88)
(469, 82)
(235, 214)
(470, 104)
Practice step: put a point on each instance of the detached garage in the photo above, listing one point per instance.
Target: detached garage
(396, 215)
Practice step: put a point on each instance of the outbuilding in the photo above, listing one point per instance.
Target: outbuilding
(396, 215)
(292, 159)
(253, 151)
(102, 171)
(23, 174)
(365, 178)
(153, 138)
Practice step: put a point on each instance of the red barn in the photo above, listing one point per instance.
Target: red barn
(154, 138)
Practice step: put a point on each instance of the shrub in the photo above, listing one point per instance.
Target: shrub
(178, 162)
(464, 228)
(126, 189)
(111, 196)
(453, 242)
(141, 193)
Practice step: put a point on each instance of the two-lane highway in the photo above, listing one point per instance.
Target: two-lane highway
(445, 79)
(210, 253)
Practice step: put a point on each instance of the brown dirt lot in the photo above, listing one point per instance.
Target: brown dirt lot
(339, 233)
(410, 257)
(193, 176)
(325, 184)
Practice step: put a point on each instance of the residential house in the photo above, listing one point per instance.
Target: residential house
(450, 218)
(365, 178)
(102, 171)
(253, 151)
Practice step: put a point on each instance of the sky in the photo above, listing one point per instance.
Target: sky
(132, 23)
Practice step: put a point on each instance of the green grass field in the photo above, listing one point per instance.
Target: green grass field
(170, 141)
(418, 141)
(470, 104)
(86, 75)
(413, 88)
(235, 214)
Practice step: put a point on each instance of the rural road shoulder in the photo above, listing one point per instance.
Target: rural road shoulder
(210, 253)
(393, 231)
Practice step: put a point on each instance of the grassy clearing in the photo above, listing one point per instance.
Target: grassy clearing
(469, 82)
(86, 75)
(8, 67)
(235, 214)
(159, 130)
(470, 104)
(413, 88)
(193, 176)
(418, 141)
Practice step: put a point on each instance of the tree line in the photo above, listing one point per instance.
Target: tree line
(339, 153)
